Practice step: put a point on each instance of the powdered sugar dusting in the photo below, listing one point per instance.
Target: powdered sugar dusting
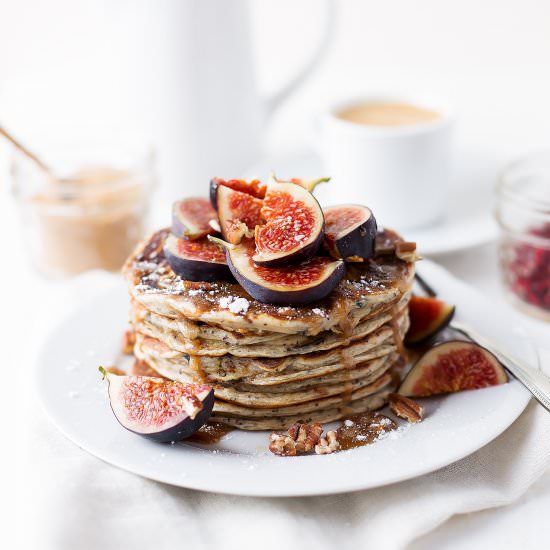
(234, 304)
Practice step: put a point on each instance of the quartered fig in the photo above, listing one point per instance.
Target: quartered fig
(427, 317)
(350, 232)
(238, 214)
(291, 285)
(293, 228)
(254, 187)
(199, 260)
(453, 366)
(191, 218)
(159, 409)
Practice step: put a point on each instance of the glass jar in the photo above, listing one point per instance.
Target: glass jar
(91, 213)
(523, 213)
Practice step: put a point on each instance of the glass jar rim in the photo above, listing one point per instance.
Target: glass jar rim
(514, 174)
(109, 178)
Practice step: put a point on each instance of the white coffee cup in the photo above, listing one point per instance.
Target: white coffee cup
(402, 172)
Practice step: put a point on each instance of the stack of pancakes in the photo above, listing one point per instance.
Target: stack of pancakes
(272, 365)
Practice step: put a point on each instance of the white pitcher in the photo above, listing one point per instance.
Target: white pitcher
(205, 112)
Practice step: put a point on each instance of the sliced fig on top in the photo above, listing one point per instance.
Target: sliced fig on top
(427, 317)
(294, 225)
(254, 188)
(238, 214)
(191, 218)
(350, 232)
(199, 260)
(295, 285)
(159, 409)
(453, 366)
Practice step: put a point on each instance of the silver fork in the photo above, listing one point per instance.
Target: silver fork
(534, 380)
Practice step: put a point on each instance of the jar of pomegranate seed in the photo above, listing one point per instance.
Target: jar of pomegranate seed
(523, 213)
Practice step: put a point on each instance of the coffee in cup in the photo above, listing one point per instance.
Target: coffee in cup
(390, 153)
(387, 113)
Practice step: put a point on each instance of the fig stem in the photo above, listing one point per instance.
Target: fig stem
(307, 185)
(312, 184)
(103, 372)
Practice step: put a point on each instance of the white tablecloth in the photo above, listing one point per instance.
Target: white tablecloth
(68, 499)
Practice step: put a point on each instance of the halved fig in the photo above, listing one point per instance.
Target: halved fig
(294, 225)
(453, 366)
(159, 409)
(191, 218)
(294, 285)
(196, 260)
(254, 187)
(350, 232)
(427, 317)
(238, 213)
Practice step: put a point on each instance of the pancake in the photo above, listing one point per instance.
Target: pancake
(272, 365)
(164, 330)
(369, 403)
(268, 372)
(317, 400)
(167, 331)
(152, 284)
(287, 393)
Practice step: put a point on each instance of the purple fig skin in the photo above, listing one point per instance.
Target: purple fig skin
(432, 358)
(356, 242)
(294, 258)
(192, 268)
(186, 427)
(436, 324)
(214, 184)
(183, 428)
(253, 187)
(300, 253)
(239, 262)
(192, 229)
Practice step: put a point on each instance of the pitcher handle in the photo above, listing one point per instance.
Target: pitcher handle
(324, 42)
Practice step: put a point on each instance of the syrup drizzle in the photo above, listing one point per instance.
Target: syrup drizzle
(397, 334)
(196, 364)
(363, 429)
(210, 433)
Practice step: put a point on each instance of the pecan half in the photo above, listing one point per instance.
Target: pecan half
(301, 438)
(406, 251)
(328, 444)
(405, 408)
(282, 445)
(305, 435)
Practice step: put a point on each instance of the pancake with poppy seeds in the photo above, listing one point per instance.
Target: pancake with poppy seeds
(271, 365)
(153, 284)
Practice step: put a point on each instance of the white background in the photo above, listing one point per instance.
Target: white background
(76, 62)
(84, 61)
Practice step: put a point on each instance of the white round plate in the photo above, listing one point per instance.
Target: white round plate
(75, 398)
(468, 223)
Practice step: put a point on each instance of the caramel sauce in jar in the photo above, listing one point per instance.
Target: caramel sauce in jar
(90, 218)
